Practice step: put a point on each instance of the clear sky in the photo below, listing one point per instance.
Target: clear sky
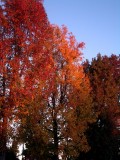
(95, 22)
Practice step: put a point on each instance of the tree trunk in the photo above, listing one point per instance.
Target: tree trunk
(55, 129)
(3, 133)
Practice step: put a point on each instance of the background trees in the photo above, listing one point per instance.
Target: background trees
(104, 74)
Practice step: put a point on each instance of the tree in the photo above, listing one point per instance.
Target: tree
(104, 75)
(69, 101)
(24, 27)
(60, 104)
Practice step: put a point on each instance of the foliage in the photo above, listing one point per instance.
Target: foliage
(24, 27)
(104, 76)
(49, 101)
(55, 110)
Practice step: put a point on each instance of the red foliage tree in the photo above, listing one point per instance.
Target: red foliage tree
(24, 29)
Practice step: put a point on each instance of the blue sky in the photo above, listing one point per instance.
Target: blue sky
(95, 22)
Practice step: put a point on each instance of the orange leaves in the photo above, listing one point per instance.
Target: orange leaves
(69, 91)
(66, 44)
(66, 54)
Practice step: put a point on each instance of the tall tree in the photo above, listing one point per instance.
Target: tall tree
(61, 103)
(66, 110)
(23, 27)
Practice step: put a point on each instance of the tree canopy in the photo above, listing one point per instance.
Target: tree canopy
(50, 100)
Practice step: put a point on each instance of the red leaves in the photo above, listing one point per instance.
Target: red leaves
(81, 45)
(25, 60)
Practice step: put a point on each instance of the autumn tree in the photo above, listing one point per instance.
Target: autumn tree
(23, 27)
(104, 74)
(59, 104)
(69, 102)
